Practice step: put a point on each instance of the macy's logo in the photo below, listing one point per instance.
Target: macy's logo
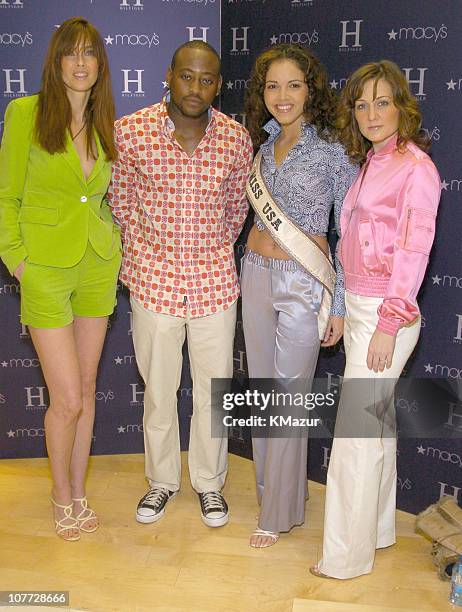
(26, 433)
(419, 33)
(440, 455)
(131, 428)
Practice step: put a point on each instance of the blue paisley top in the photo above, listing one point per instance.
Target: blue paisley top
(315, 175)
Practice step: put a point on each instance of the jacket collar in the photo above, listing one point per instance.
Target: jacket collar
(386, 150)
(71, 156)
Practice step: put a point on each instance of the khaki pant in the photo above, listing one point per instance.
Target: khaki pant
(158, 341)
(361, 481)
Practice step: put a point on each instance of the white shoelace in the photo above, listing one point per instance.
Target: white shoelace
(155, 496)
(213, 500)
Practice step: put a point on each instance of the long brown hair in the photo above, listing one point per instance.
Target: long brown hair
(410, 118)
(54, 113)
(319, 107)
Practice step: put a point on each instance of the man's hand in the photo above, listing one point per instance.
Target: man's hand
(334, 331)
(380, 352)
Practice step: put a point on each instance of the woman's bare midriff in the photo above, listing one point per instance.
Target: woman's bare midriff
(263, 244)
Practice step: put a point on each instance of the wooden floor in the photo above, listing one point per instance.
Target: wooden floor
(180, 564)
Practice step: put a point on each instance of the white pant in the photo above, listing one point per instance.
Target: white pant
(361, 480)
(158, 341)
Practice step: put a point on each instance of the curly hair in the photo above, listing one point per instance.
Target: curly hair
(410, 118)
(54, 110)
(319, 107)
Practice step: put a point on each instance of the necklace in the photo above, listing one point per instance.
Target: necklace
(80, 131)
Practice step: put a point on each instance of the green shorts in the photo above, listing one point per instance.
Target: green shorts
(51, 297)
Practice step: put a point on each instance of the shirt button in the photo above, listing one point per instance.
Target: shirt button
(366, 243)
(83, 198)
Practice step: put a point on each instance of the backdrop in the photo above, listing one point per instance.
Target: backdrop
(140, 35)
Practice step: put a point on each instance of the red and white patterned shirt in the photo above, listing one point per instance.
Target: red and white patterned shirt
(180, 215)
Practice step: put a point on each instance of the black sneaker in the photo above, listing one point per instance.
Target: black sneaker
(151, 507)
(214, 509)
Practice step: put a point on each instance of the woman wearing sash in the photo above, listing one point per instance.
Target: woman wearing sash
(387, 227)
(304, 173)
(58, 238)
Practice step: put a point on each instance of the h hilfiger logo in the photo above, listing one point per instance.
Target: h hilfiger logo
(14, 81)
(131, 5)
(11, 3)
(351, 35)
(416, 84)
(240, 40)
(197, 33)
(135, 78)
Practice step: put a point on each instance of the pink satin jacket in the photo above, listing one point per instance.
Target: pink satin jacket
(387, 227)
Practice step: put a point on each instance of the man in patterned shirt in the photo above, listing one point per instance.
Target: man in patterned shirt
(178, 193)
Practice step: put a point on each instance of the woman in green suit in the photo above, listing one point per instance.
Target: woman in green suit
(57, 237)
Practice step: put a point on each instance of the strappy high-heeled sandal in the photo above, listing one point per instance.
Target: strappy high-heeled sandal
(60, 527)
(85, 515)
(269, 534)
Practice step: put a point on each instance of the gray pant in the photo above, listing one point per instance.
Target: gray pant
(280, 302)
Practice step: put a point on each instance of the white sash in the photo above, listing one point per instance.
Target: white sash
(292, 240)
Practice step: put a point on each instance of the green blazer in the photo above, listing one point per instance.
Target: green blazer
(48, 210)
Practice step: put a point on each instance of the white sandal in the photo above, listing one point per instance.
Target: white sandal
(314, 569)
(60, 527)
(269, 534)
(90, 515)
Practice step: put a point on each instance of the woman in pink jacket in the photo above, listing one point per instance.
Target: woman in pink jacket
(387, 229)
